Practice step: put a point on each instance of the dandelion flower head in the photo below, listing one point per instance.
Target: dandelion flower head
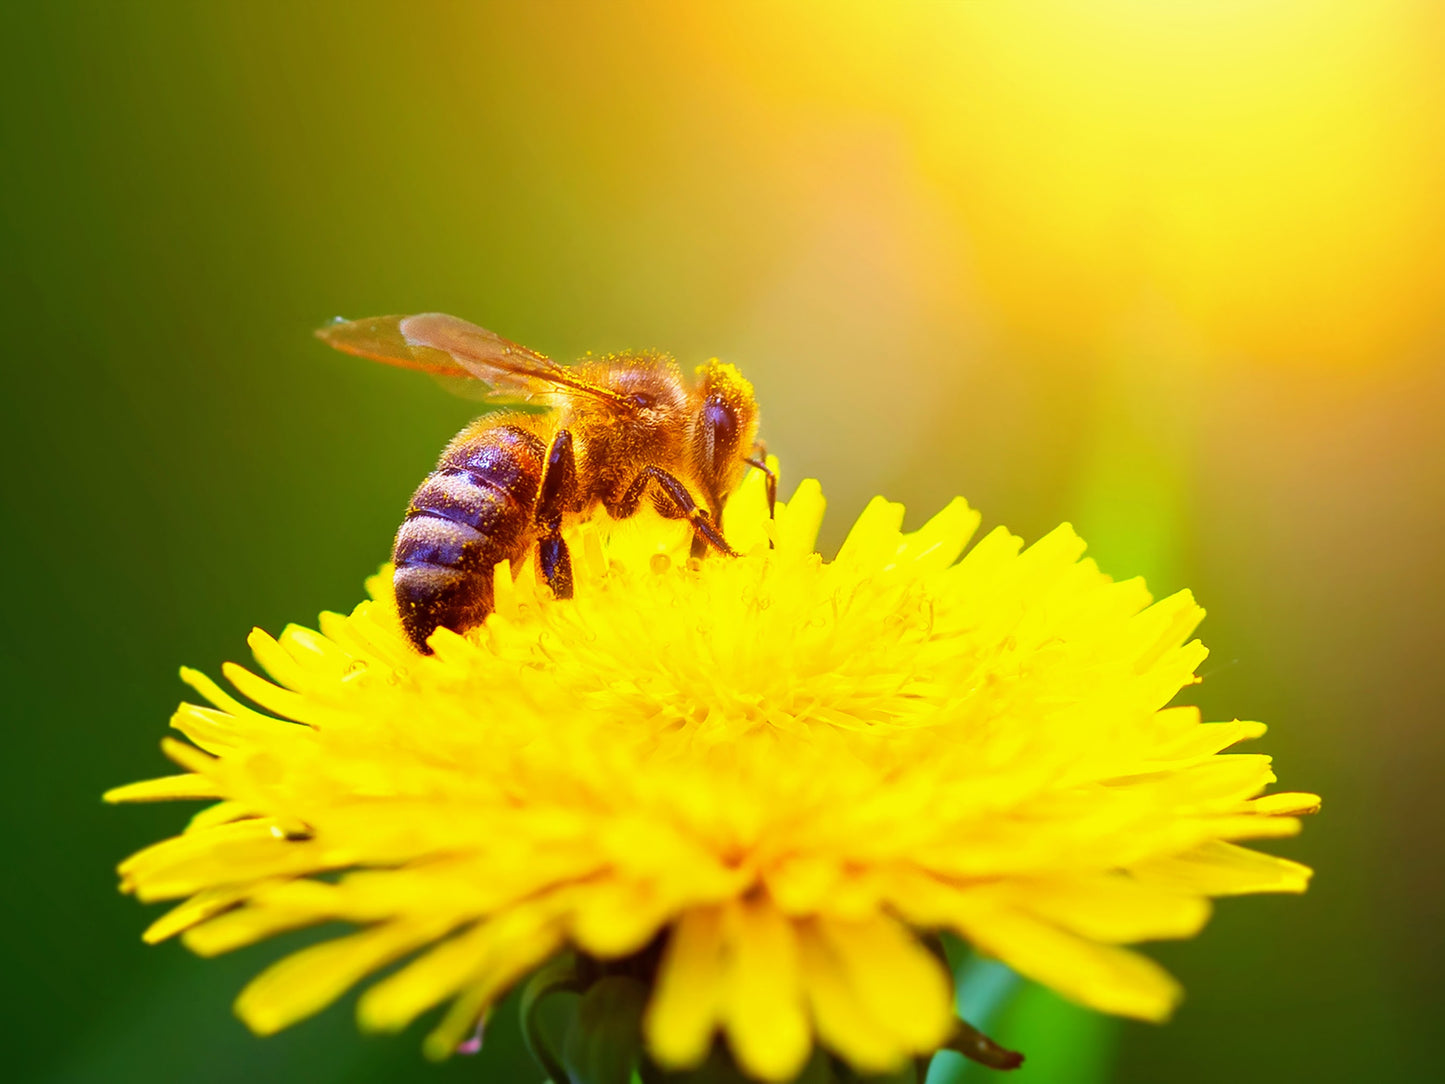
(782, 770)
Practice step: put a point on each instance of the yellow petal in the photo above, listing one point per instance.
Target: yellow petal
(307, 981)
(766, 1027)
(489, 956)
(188, 757)
(937, 544)
(513, 959)
(195, 845)
(873, 539)
(1112, 908)
(396, 1001)
(1224, 869)
(613, 919)
(282, 701)
(241, 851)
(1102, 977)
(1293, 804)
(1203, 740)
(800, 518)
(897, 980)
(220, 813)
(245, 926)
(165, 789)
(203, 905)
(686, 1001)
(845, 1024)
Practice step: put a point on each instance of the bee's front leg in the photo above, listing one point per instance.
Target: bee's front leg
(556, 493)
(759, 459)
(675, 492)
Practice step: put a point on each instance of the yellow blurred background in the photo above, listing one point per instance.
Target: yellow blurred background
(1172, 271)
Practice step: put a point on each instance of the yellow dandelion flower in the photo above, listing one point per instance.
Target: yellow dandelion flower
(785, 771)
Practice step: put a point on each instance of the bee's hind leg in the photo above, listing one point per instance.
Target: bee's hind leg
(556, 493)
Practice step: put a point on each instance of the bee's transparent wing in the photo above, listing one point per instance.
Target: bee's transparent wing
(447, 346)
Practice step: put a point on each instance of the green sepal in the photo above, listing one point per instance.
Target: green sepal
(976, 1046)
(559, 976)
(604, 1044)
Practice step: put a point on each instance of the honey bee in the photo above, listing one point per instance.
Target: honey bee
(613, 431)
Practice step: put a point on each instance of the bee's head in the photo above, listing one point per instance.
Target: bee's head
(724, 427)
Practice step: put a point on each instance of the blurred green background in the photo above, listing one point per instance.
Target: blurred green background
(1172, 271)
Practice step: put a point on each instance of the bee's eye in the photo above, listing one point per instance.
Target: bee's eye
(722, 427)
(643, 400)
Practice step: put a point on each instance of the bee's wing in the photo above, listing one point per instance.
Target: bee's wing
(447, 346)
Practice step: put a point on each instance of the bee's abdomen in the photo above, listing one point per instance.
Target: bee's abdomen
(474, 510)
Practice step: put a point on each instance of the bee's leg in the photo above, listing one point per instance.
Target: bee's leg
(677, 493)
(760, 460)
(555, 563)
(556, 493)
(698, 550)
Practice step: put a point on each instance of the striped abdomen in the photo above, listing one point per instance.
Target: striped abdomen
(474, 510)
